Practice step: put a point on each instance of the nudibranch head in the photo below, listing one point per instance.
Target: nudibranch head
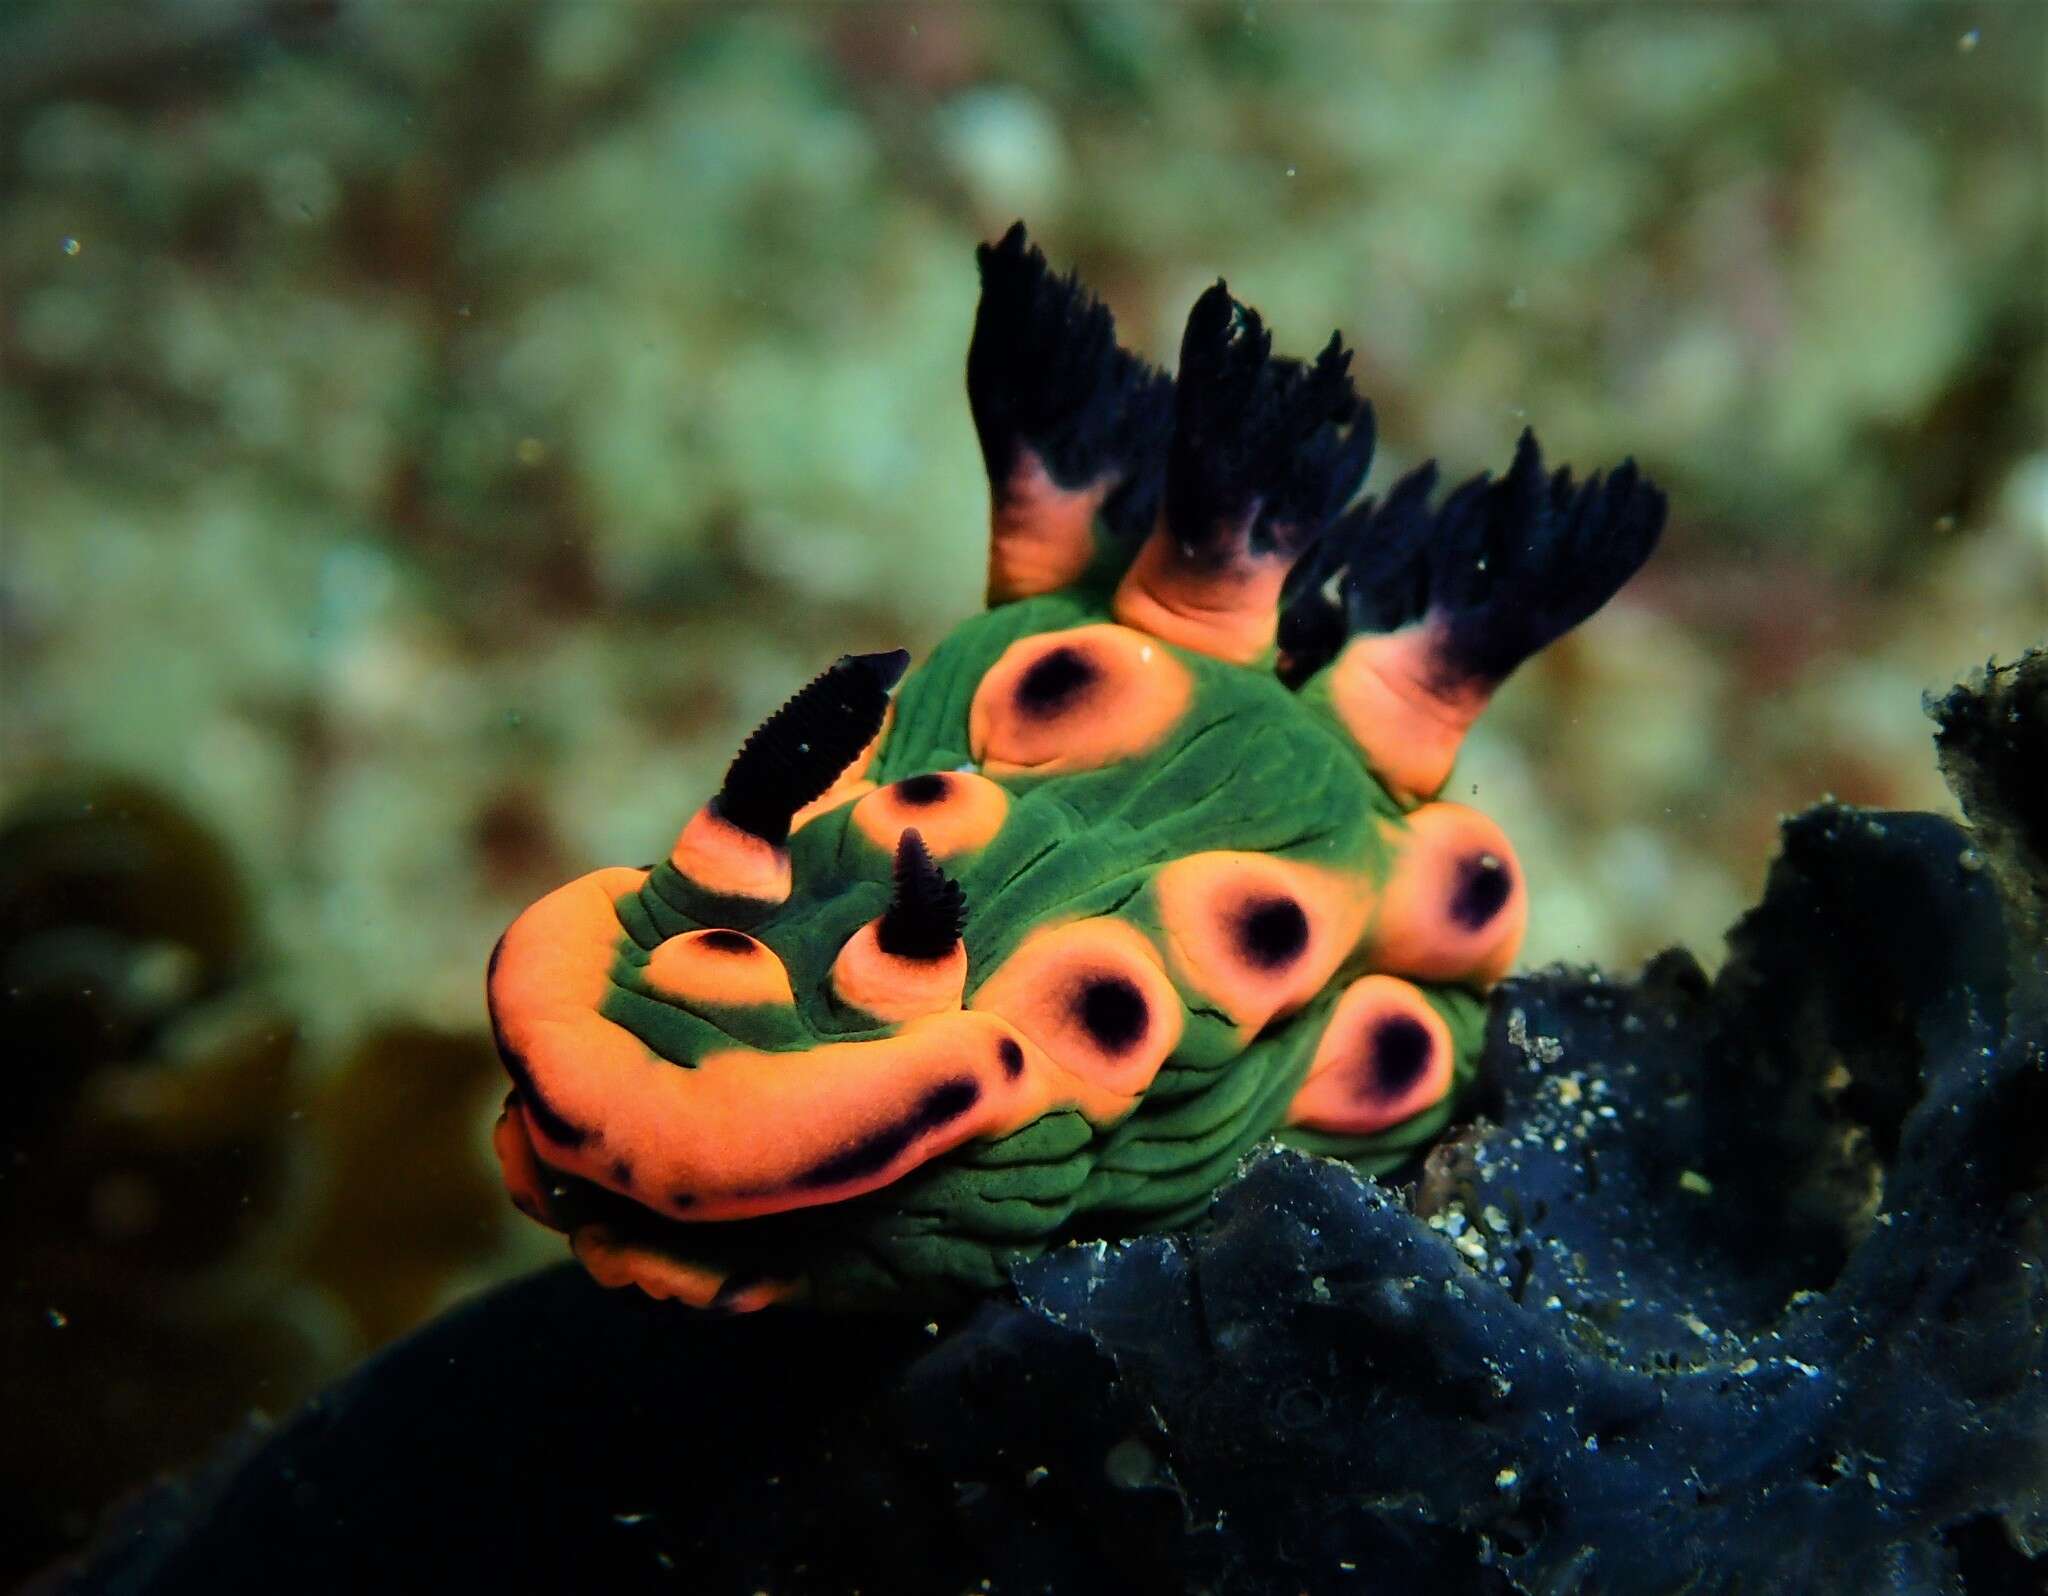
(1143, 865)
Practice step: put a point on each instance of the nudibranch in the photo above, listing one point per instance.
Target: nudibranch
(1143, 865)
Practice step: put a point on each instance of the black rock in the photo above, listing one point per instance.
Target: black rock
(1740, 1285)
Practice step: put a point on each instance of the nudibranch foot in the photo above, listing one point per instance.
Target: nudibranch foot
(1139, 868)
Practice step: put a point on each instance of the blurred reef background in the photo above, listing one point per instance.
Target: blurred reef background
(433, 433)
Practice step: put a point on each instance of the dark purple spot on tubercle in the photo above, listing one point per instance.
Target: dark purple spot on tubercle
(1484, 882)
(921, 792)
(1112, 1011)
(1056, 678)
(1272, 932)
(1398, 1050)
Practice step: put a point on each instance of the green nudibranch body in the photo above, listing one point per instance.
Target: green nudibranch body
(1143, 866)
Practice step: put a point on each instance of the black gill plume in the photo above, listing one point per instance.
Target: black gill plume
(1045, 372)
(1508, 565)
(1264, 444)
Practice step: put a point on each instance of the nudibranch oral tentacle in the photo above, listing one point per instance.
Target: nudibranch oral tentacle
(1138, 868)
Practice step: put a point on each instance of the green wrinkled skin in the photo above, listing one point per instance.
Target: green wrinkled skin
(1251, 767)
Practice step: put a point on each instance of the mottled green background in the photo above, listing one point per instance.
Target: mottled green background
(433, 432)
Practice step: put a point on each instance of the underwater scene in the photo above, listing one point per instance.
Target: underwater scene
(1024, 798)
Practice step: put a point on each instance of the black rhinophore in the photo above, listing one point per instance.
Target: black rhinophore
(1045, 373)
(925, 916)
(801, 749)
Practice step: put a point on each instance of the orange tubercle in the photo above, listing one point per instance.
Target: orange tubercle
(955, 811)
(1256, 935)
(714, 854)
(892, 988)
(718, 967)
(1042, 536)
(1455, 906)
(1094, 998)
(1385, 690)
(1076, 700)
(1384, 1057)
(1228, 608)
